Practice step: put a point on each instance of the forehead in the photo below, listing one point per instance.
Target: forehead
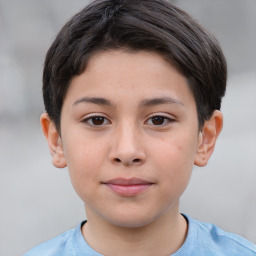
(130, 60)
(143, 74)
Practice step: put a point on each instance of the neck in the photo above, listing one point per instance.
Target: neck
(163, 236)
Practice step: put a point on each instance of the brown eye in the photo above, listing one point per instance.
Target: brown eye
(158, 120)
(96, 121)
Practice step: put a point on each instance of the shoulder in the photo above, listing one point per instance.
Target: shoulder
(60, 245)
(70, 243)
(213, 239)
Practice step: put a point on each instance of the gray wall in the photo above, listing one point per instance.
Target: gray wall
(37, 200)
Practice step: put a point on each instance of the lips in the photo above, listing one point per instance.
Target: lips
(128, 187)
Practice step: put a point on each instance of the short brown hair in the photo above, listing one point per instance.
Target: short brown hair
(154, 25)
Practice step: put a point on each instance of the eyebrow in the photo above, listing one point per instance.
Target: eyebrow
(144, 103)
(94, 100)
(159, 101)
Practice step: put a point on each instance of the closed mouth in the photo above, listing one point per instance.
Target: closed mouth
(128, 187)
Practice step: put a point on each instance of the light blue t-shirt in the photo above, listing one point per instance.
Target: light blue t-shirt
(203, 239)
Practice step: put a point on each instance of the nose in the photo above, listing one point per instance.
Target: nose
(127, 147)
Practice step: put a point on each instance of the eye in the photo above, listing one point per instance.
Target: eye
(96, 121)
(159, 120)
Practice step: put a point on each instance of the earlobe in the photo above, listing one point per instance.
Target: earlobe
(208, 137)
(54, 141)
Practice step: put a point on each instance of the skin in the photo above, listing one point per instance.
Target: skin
(135, 135)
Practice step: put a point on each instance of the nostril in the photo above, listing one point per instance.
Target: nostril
(117, 160)
(137, 160)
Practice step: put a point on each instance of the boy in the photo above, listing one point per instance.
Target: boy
(132, 92)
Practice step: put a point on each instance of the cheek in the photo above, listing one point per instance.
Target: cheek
(82, 153)
(83, 158)
(175, 172)
(175, 160)
(178, 151)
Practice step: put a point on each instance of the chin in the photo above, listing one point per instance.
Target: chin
(131, 220)
(130, 223)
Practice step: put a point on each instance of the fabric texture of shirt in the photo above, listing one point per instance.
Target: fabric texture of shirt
(202, 239)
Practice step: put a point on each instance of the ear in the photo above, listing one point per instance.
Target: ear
(208, 137)
(54, 141)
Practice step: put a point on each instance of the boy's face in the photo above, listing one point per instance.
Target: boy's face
(129, 135)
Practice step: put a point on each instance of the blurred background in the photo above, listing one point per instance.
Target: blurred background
(37, 200)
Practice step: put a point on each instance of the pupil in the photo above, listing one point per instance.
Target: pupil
(158, 120)
(98, 120)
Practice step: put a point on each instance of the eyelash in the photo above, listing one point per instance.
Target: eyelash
(166, 120)
(90, 118)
